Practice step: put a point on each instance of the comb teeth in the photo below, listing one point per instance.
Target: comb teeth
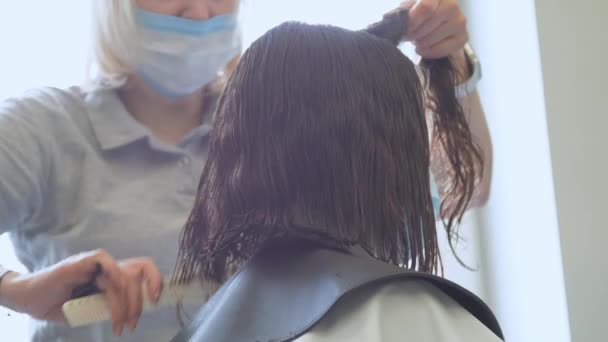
(93, 309)
(392, 28)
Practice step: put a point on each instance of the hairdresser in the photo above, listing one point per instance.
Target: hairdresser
(105, 173)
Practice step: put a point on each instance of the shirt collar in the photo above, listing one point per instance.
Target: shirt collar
(114, 127)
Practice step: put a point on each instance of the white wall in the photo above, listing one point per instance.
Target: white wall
(519, 226)
(574, 50)
(43, 44)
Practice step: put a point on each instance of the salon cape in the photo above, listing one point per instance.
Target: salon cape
(312, 294)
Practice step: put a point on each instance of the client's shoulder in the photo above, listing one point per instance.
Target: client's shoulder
(404, 309)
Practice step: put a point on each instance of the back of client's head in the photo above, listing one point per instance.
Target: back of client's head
(318, 127)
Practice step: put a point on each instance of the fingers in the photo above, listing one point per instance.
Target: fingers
(443, 32)
(116, 285)
(445, 48)
(140, 270)
(134, 300)
(421, 12)
(438, 28)
(408, 4)
(153, 279)
(137, 271)
(111, 281)
(109, 266)
(121, 282)
(116, 298)
(79, 269)
(438, 18)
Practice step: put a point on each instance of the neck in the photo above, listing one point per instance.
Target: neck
(169, 119)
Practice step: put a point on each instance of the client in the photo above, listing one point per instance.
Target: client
(314, 209)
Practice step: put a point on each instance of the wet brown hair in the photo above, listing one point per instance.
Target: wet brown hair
(451, 133)
(320, 132)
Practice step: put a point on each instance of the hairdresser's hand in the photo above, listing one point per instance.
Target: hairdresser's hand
(438, 28)
(42, 294)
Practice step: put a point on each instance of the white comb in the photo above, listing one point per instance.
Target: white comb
(92, 309)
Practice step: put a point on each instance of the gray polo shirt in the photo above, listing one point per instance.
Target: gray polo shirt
(78, 173)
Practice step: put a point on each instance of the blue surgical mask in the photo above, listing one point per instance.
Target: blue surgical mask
(179, 56)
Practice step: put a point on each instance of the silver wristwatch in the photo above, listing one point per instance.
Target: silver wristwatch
(465, 89)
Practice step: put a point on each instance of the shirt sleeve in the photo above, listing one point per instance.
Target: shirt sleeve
(23, 162)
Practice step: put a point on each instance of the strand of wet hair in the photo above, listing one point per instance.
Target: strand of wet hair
(450, 128)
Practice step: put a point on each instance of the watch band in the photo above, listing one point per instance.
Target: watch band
(465, 89)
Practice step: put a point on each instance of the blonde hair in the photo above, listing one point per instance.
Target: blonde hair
(114, 52)
(114, 55)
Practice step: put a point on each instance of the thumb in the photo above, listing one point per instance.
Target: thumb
(408, 4)
(422, 11)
